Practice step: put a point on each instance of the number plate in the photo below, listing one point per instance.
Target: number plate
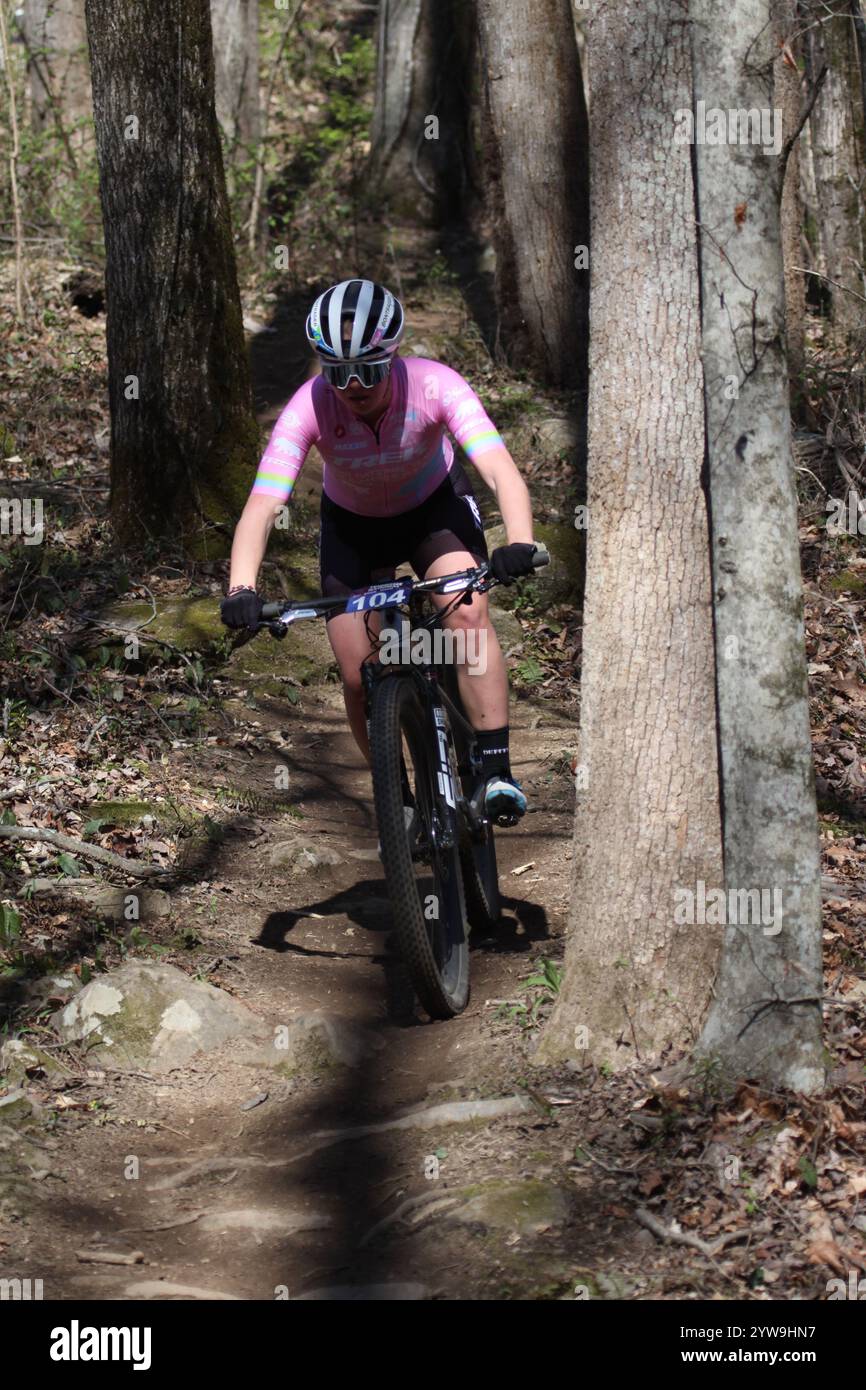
(378, 598)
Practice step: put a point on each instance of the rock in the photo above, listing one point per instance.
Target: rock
(304, 654)
(508, 628)
(357, 1293)
(110, 902)
(194, 625)
(18, 1058)
(153, 1017)
(51, 986)
(15, 1107)
(528, 1207)
(302, 854)
(562, 581)
(558, 434)
(312, 1043)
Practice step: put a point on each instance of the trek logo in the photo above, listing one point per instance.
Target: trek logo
(444, 775)
(76, 1343)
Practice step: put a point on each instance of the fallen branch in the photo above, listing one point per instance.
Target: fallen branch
(102, 856)
(664, 1232)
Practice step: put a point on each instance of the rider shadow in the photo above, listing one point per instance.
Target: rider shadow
(364, 905)
(522, 924)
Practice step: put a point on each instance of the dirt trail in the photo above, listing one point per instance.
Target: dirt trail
(263, 1212)
(233, 1200)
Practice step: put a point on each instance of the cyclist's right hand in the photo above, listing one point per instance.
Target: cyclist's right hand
(242, 609)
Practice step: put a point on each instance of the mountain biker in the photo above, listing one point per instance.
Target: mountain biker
(392, 491)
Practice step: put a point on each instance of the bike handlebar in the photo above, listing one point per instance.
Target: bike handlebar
(317, 606)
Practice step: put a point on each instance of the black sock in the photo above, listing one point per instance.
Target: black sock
(493, 747)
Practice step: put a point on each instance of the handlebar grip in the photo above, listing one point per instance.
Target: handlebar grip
(272, 610)
(541, 557)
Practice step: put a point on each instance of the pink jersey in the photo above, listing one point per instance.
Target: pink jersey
(389, 470)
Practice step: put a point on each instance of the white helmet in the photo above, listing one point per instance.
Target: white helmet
(376, 316)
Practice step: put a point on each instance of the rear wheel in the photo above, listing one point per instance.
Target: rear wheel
(478, 849)
(423, 869)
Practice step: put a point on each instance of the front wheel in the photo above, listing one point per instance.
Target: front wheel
(422, 864)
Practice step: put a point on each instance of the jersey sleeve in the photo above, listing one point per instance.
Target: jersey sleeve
(464, 416)
(292, 437)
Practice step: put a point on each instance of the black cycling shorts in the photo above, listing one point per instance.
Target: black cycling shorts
(355, 551)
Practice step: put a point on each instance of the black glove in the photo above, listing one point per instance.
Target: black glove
(509, 562)
(243, 609)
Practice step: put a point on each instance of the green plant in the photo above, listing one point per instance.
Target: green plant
(10, 926)
(542, 988)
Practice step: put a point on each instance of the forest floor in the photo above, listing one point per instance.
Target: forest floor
(227, 1177)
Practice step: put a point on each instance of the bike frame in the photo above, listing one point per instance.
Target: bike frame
(434, 696)
(442, 712)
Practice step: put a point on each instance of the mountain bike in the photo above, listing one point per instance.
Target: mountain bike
(437, 850)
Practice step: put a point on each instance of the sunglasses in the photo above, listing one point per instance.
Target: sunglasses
(369, 374)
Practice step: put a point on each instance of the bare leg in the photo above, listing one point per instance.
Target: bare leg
(482, 677)
(351, 645)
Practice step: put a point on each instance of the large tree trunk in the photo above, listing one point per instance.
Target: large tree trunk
(647, 826)
(838, 161)
(183, 437)
(766, 1016)
(235, 26)
(56, 38)
(539, 143)
(419, 158)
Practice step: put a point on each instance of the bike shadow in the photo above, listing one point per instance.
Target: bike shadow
(364, 904)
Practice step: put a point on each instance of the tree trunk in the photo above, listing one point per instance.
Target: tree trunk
(183, 438)
(419, 134)
(236, 60)
(648, 823)
(787, 86)
(539, 144)
(56, 38)
(839, 168)
(765, 1021)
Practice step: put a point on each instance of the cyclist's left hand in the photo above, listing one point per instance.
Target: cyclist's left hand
(509, 562)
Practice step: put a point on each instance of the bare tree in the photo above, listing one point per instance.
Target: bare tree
(419, 155)
(55, 34)
(765, 1019)
(235, 26)
(838, 157)
(647, 823)
(539, 151)
(183, 437)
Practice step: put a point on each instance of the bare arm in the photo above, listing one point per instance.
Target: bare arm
(251, 538)
(501, 474)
